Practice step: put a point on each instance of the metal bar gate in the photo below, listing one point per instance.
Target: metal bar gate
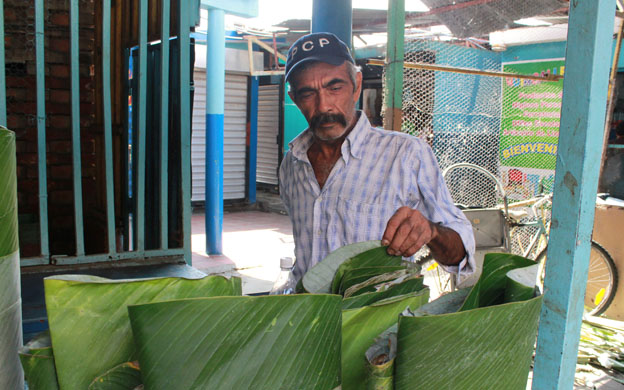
(113, 253)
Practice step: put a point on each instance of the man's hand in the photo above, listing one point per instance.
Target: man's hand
(408, 230)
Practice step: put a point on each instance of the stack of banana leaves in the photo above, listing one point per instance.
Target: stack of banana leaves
(362, 321)
(601, 349)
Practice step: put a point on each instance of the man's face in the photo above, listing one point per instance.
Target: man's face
(327, 98)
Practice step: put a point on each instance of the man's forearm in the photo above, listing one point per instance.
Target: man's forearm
(446, 246)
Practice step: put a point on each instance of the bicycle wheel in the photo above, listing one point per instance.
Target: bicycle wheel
(602, 279)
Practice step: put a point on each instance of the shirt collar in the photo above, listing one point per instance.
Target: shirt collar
(353, 144)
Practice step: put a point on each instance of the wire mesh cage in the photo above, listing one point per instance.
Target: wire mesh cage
(506, 125)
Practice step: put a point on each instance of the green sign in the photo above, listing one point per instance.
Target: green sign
(529, 126)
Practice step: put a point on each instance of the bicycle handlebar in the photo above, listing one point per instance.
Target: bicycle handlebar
(487, 173)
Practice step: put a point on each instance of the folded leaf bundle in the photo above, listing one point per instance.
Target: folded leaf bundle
(361, 326)
(260, 343)
(488, 344)
(485, 348)
(89, 323)
(38, 362)
(379, 282)
(362, 274)
(318, 279)
(405, 287)
(380, 361)
(11, 374)
(377, 257)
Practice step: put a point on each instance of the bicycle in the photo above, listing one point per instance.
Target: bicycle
(497, 221)
(602, 276)
(488, 221)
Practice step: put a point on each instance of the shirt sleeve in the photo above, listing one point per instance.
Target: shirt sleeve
(437, 206)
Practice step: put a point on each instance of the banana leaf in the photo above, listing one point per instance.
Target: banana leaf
(11, 374)
(376, 283)
(407, 286)
(267, 342)
(360, 275)
(318, 279)
(485, 348)
(126, 376)
(89, 323)
(376, 257)
(380, 361)
(361, 326)
(490, 288)
(38, 362)
(381, 356)
(521, 283)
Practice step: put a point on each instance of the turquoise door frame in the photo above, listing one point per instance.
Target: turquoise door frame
(588, 58)
(188, 13)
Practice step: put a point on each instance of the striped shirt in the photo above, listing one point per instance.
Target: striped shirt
(379, 172)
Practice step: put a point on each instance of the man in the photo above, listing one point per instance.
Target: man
(344, 181)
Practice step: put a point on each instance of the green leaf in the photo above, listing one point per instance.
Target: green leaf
(380, 359)
(38, 363)
(521, 283)
(8, 194)
(267, 342)
(361, 326)
(408, 286)
(376, 257)
(447, 303)
(319, 278)
(11, 375)
(126, 376)
(89, 322)
(360, 275)
(490, 289)
(486, 348)
(379, 282)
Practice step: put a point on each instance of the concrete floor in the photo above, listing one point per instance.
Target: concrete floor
(253, 243)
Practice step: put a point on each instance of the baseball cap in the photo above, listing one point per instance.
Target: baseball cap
(324, 47)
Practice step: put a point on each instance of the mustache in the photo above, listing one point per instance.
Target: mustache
(323, 118)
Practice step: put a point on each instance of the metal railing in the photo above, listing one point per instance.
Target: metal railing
(113, 253)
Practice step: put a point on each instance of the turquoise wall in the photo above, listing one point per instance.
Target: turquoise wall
(294, 121)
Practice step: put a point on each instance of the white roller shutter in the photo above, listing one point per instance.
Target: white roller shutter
(234, 137)
(268, 129)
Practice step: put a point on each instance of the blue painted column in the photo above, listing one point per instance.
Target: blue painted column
(334, 17)
(215, 103)
(253, 139)
(578, 163)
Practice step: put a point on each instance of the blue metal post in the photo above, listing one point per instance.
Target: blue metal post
(41, 130)
(578, 164)
(3, 117)
(215, 103)
(253, 140)
(108, 129)
(333, 16)
(185, 123)
(141, 129)
(75, 110)
(164, 126)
